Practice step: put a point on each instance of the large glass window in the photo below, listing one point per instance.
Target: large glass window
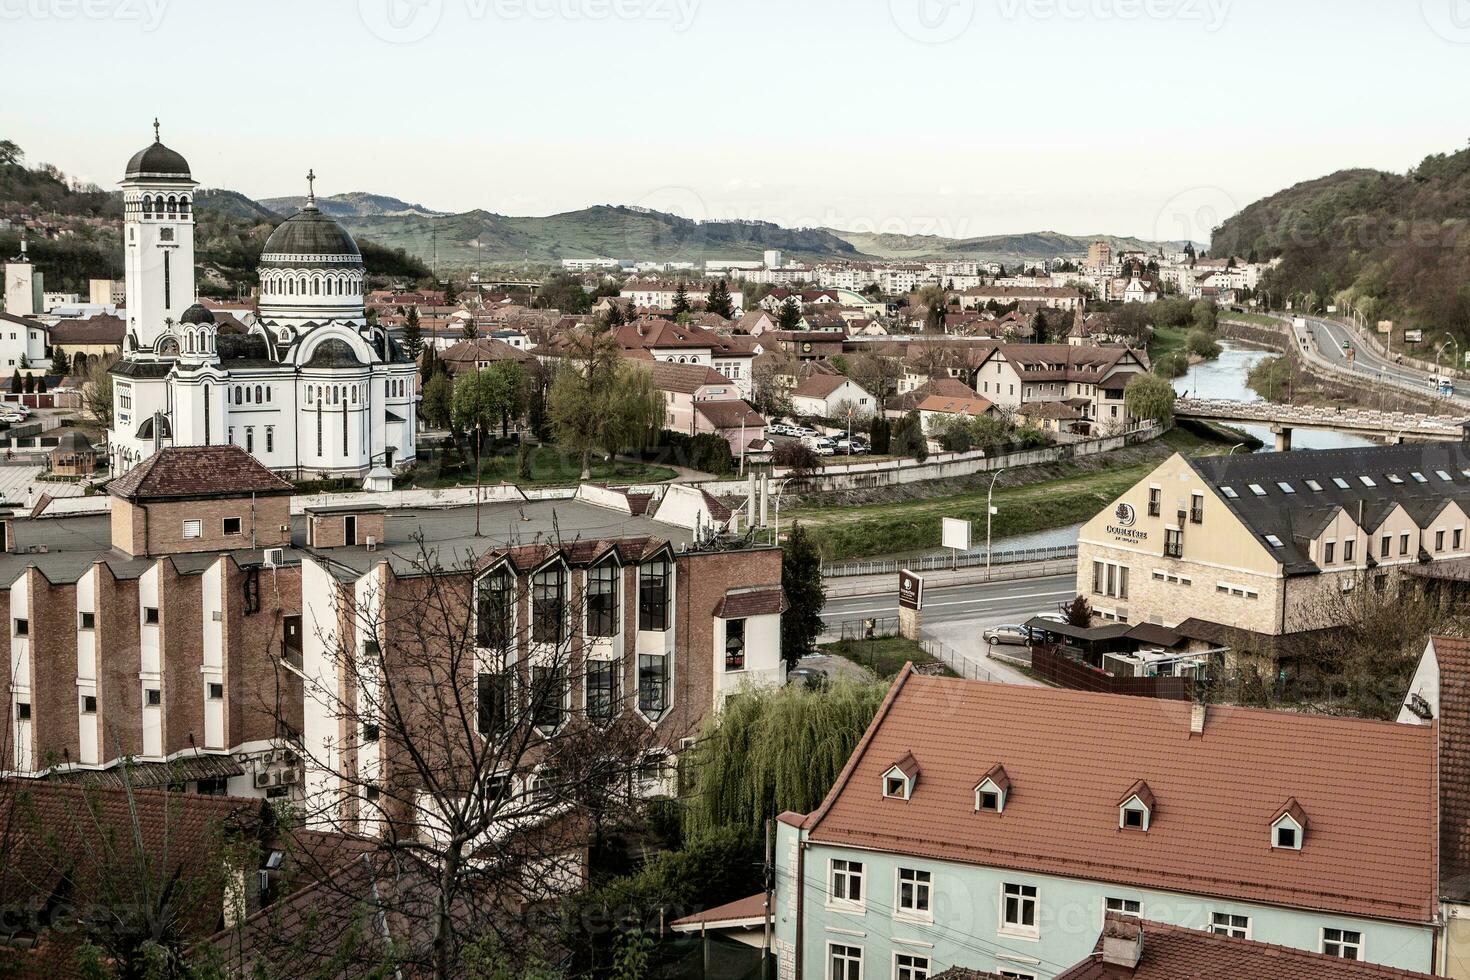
(1018, 909)
(602, 689)
(493, 607)
(602, 600)
(653, 595)
(491, 691)
(735, 644)
(548, 692)
(548, 606)
(653, 684)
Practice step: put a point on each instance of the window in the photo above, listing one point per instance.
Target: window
(845, 884)
(22, 627)
(653, 683)
(1342, 943)
(1274, 541)
(1348, 547)
(1385, 546)
(216, 691)
(87, 620)
(1404, 543)
(1134, 818)
(1124, 906)
(493, 611)
(913, 892)
(1258, 490)
(734, 644)
(89, 704)
(270, 439)
(231, 526)
(1229, 492)
(653, 595)
(193, 529)
(150, 615)
(1286, 836)
(22, 711)
(250, 439)
(1155, 496)
(602, 689)
(1285, 487)
(1456, 538)
(1367, 481)
(906, 966)
(1013, 975)
(1438, 540)
(548, 692)
(1340, 483)
(1018, 910)
(1109, 579)
(844, 962)
(602, 600)
(548, 610)
(895, 785)
(1197, 508)
(1173, 543)
(1419, 478)
(154, 697)
(1235, 926)
(370, 733)
(1327, 552)
(491, 697)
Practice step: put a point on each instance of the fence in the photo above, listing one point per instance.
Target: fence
(1051, 664)
(868, 629)
(967, 667)
(939, 563)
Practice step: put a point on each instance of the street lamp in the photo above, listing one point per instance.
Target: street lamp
(989, 513)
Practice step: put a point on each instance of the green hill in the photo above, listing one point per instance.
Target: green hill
(355, 204)
(1395, 246)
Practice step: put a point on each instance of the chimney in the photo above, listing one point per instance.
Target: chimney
(1197, 719)
(1122, 943)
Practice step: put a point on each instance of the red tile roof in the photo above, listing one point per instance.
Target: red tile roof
(761, 602)
(1175, 953)
(197, 471)
(685, 378)
(100, 329)
(1453, 659)
(730, 413)
(1371, 850)
(738, 912)
(819, 385)
(971, 404)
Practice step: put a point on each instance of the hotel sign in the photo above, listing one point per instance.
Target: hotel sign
(910, 590)
(1122, 529)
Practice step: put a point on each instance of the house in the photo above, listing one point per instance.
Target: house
(1054, 417)
(661, 295)
(804, 344)
(1141, 290)
(734, 420)
(755, 323)
(469, 356)
(1261, 545)
(676, 343)
(1055, 297)
(830, 396)
(947, 841)
(685, 385)
(946, 408)
(24, 345)
(1091, 379)
(88, 339)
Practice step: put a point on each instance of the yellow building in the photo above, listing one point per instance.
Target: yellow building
(1273, 544)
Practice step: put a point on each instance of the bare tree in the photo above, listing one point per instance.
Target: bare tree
(458, 750)
(879, 375)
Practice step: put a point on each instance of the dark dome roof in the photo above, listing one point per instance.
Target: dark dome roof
(334, 353)
(197, 314)
(309, 232)
(157, 160)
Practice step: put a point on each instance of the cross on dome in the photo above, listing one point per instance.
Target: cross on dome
(155, 130)
(311, 186)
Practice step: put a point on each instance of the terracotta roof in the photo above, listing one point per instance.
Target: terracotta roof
(952, 405)
(467, 353)
(730, 413)
(101, 329)
(1048, 410)
(685, 378)
(819, 385)
(197, 471)
(739, 912)
(1176, 953)
(761, 602)
(1370, 852)
(1453, 659)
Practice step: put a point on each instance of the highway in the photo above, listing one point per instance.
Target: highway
(1330, 336)
(979, 606)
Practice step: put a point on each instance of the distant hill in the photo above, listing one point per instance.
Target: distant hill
(1396, 246)
(356, 204)
(233, 204)
(1007, 249)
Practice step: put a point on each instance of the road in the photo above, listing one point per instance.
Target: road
(976, 606)
(1330, 336)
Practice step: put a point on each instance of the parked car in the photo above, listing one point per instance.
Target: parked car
(823, 447)
(1007, 635)
(12, 418)
(1051, 617)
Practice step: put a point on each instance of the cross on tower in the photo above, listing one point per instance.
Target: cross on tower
(311, 185)
(155, 129)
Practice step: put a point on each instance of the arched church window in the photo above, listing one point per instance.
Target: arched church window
(183, 205)
(189, 341)
(173, 205)
(239, 396)
(258, 393)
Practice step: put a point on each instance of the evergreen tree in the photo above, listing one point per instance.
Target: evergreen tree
(16, 384)
(614, 317)
(908, 438)
(788, 317)
(413, 335)
(60, 362)
(719, 301)
(806, 592)
(41, 385)
(1041, 328)
(681, 300)
(30, 383)
(471, 329)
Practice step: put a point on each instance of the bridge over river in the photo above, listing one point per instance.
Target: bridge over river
(1391, 427)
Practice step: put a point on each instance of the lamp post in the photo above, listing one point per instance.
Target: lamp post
(989, 513)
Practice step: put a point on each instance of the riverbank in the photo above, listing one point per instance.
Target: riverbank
(863, 524)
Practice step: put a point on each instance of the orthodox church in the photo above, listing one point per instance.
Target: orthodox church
(309, 388)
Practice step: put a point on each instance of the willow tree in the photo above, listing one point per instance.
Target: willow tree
(600, 402)
(774, 750)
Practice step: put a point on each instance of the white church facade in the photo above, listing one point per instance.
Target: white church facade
(309, 389)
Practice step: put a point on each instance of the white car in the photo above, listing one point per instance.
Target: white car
(824, 447)
(13, 418)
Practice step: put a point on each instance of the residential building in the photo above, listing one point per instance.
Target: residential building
(676, 343)
(1055, 297)
(1089, 379)
(474, 355)
(943, 409)
(1254, 547)
(660, 294)
(88, 339)
(685, 385)
(831, 396)
(24, 345)
(949, 841)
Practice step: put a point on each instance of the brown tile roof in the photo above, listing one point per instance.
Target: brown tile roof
(949, 387)
(685, 378)
(466, 354)
(819, 385)
(971, 404)
(578, 554)
(197, 471)
(1371, 850)
(761, 602)
(751, 908)
(1176, 953)
(101, 329)
(731, 413)
(1048, 410)
(1453, 659)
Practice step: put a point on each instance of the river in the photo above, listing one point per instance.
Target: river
(1225, 377)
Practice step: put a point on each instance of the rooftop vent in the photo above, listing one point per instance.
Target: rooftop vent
(1197, 719)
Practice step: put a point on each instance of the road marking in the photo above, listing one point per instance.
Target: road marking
(968, 602)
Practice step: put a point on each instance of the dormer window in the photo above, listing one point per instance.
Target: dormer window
(1288, 827)
(899, 780)
(992, 790)
(1135, 809)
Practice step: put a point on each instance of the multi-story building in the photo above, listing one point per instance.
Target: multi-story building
(179, 628)
(1089, 379)
(1269, 544)
(949, 841)
(1056, 297)
(658, 294)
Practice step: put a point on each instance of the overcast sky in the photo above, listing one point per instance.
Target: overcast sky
(956, 117)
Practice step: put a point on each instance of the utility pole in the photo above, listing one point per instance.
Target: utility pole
(990, 513)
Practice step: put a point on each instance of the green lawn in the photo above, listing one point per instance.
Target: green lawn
(846, 531)
(1255, 319)
(1166, 340)
(884, 657)
(549, 468)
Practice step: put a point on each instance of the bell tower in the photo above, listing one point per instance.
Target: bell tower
(158, 240)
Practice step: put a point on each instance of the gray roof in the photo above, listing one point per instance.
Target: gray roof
(1368, 481)
(157, 160)
(308, 232)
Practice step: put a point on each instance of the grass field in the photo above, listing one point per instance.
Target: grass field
(1166, 340)
(549, 468)
(844, 532)
(884, 657)
(1255, 319)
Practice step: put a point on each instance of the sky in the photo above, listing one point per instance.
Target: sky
(1152, 118)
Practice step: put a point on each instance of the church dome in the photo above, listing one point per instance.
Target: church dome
(309, 234)
(157, 160)
(197, 314)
